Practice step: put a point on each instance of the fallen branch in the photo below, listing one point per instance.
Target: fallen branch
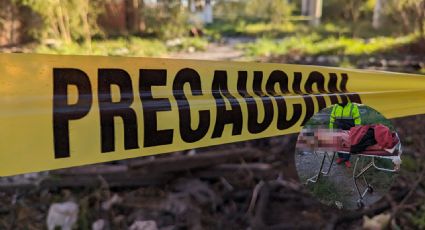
(200, 160)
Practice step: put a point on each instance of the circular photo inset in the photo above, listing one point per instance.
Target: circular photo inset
(348, 155)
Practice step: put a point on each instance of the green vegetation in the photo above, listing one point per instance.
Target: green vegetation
(410, 164)
(327, 192)
(116, 47)
(418, 218)
(77, 27)
(380, 180)
(249, 29)
(315, 44)
(132, 46)
(268, 11)
(165, 21)
(71, 20)
(346, 29)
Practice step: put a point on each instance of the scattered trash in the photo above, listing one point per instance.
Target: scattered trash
(99, 225)
(28, 178)
(174, 42)
(109, 203)
(191, 49)
(339, 204)
(191, 152)
(377, 222)
(198, 190)
(144, 225)
(62, 215)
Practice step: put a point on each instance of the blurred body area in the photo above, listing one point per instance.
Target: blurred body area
(250, 184)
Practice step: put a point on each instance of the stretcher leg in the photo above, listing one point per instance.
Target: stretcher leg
(369, 188)
(316, 177)
(330, 163)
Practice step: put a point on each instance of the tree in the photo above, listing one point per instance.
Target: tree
(67, 20)
(411, 13)
(377, 14)
(274, 11)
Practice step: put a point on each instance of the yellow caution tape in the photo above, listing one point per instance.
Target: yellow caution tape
(63, 111)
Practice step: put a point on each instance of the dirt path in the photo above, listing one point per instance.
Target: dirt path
(216, 51)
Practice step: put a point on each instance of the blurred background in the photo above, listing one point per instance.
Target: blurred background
(384, 34)
(248, 185)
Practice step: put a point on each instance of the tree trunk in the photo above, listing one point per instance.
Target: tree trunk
(421, 19)
(85, 19)
(405, 21)
(377, 14)
(208, 12)
(64, 32)
(315, 12)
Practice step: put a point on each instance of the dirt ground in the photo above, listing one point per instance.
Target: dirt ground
(225, 51)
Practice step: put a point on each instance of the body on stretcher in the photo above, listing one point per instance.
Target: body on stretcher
(375, 151)
(329, 142)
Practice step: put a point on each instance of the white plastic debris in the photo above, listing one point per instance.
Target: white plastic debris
(377, 222)
(174, 42)
(192, 152)
(144, 225)
(397, 163)
(106, 205)
(62, 215)
(99, 225)
(339, 204)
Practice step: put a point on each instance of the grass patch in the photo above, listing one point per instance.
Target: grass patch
(327, 192)
(290, 27)
(410, 164)
(380, 180)
(132, 46)
(315, 44)
(251, 29)
(418, 218)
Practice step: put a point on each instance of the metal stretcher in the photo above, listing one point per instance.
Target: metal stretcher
(330, 143)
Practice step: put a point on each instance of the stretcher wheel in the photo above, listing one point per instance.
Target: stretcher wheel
(360, 204)
(370, 189)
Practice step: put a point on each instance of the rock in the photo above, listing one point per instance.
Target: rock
(377, 222)
(99, 225)
(199, 191)
(176, 203)
(28, 178)
(144, 225)
(62, 215)
(191, 49)
(174, 42)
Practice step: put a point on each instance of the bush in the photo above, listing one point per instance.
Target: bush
(269, 11)
(409, 13)
(272, 11)
(166, 20)
(314, 44)
(132, 46)
(69, 21)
